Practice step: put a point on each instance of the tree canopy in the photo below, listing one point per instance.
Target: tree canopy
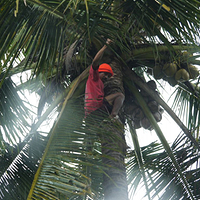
(154, 41)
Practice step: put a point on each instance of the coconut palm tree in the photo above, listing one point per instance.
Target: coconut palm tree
(56, 41)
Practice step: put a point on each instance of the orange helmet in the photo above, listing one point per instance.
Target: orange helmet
(105, 68)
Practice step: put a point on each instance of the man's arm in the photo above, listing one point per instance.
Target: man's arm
(97, 58)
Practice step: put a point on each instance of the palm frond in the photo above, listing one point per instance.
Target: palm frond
(42, 37)
(67, 141)
(189, 109)
(139, 157)
(18, 167)
(43, 31)
(14, 114)
(66, 158)
(162, 179)
(174, 162)
(176, 20)
(134, 175)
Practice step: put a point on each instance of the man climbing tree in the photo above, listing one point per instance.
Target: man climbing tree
(55, 42)
(99, 106)
(94, 93)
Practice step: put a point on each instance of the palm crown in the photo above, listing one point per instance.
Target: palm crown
(56, 41)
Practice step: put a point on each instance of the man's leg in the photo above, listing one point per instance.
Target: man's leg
(116, 100)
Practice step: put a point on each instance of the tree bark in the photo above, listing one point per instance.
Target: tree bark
(113, 153)
(114, 146)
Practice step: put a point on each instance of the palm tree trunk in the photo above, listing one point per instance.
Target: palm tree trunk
(113, 151)
(114, 146)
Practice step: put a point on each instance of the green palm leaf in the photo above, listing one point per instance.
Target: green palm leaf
(13, 112)
(66, 158)
(144, 33)
(162, 179)
(189, 109)
(164, 142)
(18, 166)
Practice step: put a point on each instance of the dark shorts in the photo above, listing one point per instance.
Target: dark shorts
(106, 106)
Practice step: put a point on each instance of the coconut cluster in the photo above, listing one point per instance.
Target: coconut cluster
(177, 70)
(136, 113)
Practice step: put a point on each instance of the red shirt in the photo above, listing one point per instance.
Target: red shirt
(94, 92)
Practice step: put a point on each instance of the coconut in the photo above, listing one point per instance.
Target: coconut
(153, 106)
(157, 72)
(193, 71)
(152, 84)
(138, 114)
(170, 69)
(157, 116)
(145, 123)
(182, 75)
(136, 124)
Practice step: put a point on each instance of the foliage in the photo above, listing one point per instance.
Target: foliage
(160, 173)
(58, 40)
(18, 166)
(13, 113)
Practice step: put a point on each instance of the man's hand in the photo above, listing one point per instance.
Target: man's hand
(109, 41)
